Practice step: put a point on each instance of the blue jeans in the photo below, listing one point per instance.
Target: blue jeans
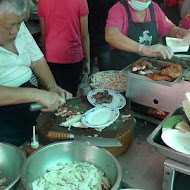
(104, 58)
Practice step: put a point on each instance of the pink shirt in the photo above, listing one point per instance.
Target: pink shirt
(62, 29)
(186, 22)
(117, 17)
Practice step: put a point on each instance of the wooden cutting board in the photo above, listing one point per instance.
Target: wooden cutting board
(122, 130)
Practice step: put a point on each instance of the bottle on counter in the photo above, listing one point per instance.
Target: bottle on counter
(34, 145)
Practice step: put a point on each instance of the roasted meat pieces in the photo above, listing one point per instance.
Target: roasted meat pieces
(169, 72)
(103, 97)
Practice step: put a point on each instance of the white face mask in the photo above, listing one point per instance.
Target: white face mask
(139, 6)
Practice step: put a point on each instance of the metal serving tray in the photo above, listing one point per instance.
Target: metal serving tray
(155, 139)
(156, 63)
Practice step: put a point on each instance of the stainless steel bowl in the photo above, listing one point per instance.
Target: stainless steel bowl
(11, 161)
(48, 156)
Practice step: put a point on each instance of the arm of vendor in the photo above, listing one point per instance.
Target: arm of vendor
(20, 59)
(137, 29)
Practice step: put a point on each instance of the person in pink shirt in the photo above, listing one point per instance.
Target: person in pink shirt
(65, 40)
(185, 23)
(133, 28)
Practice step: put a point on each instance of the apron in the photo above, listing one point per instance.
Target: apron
(16, 122)
(144, 33)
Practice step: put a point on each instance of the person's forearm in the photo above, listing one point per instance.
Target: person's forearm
(86, 47)
(177, 32)
(173, 32)
(43, 73)
(13, 95)
(85, 37)
(42, 31)
(115, 38)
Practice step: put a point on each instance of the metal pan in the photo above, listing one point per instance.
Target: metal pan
(155, 140)
(157, 63)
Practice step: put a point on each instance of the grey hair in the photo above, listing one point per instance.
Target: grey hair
(12, 6)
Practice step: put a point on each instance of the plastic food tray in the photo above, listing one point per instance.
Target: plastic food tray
(156, 63)
(155, 140)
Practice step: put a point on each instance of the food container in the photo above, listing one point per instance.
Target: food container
(113, 80)
(155, 140)
(156, 63)
(11, 161)
(48, 156)
(161, 95)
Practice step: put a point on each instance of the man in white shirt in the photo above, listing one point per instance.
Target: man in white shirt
(20, 58)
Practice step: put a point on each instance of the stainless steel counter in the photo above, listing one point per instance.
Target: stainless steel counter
(142, 165)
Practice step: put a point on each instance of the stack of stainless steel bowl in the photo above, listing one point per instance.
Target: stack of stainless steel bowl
(11, 161)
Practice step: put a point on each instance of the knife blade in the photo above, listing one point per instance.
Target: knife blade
(38, 107)
(85, 140)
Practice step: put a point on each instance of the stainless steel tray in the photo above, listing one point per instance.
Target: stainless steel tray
(155, 139)
(156, 63)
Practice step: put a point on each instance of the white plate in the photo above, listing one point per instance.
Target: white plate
(118, 100)
(176, 44)
(100, 116)
(177, 140)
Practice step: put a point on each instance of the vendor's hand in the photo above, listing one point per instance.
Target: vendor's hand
(157, 50)
(63, 93)
(181, 33)
(50, 100)
(86, 66)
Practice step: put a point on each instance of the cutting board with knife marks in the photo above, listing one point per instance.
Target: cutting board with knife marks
(120, 129)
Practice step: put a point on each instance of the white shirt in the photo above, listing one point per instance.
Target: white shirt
(15, 69)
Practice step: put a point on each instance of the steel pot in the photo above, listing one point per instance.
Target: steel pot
(48, 156)
(11, 161)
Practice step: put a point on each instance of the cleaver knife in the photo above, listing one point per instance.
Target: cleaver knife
(38, 107)
(85, 140)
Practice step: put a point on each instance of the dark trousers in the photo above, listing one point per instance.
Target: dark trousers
(16, 122)
(67, 76)
(104, 58)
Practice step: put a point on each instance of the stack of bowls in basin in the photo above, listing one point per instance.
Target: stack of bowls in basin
(11, 161)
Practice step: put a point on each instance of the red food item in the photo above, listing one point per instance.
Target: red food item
(141, 65)
(169, 72)
(174, 71)
(159, 77)
(103, 97)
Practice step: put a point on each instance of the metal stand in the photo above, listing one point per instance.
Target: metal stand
(170, 169)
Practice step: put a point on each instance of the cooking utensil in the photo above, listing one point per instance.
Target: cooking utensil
(12, 159)
(67, 152)
(38, 107)
(85, 140)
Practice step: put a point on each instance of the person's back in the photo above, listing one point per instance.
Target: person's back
(62, 25)
(65, 40)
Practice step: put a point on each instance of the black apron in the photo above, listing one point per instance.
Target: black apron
(144, 33)
(16, 122)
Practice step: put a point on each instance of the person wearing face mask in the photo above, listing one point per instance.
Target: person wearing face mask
(133, 28)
